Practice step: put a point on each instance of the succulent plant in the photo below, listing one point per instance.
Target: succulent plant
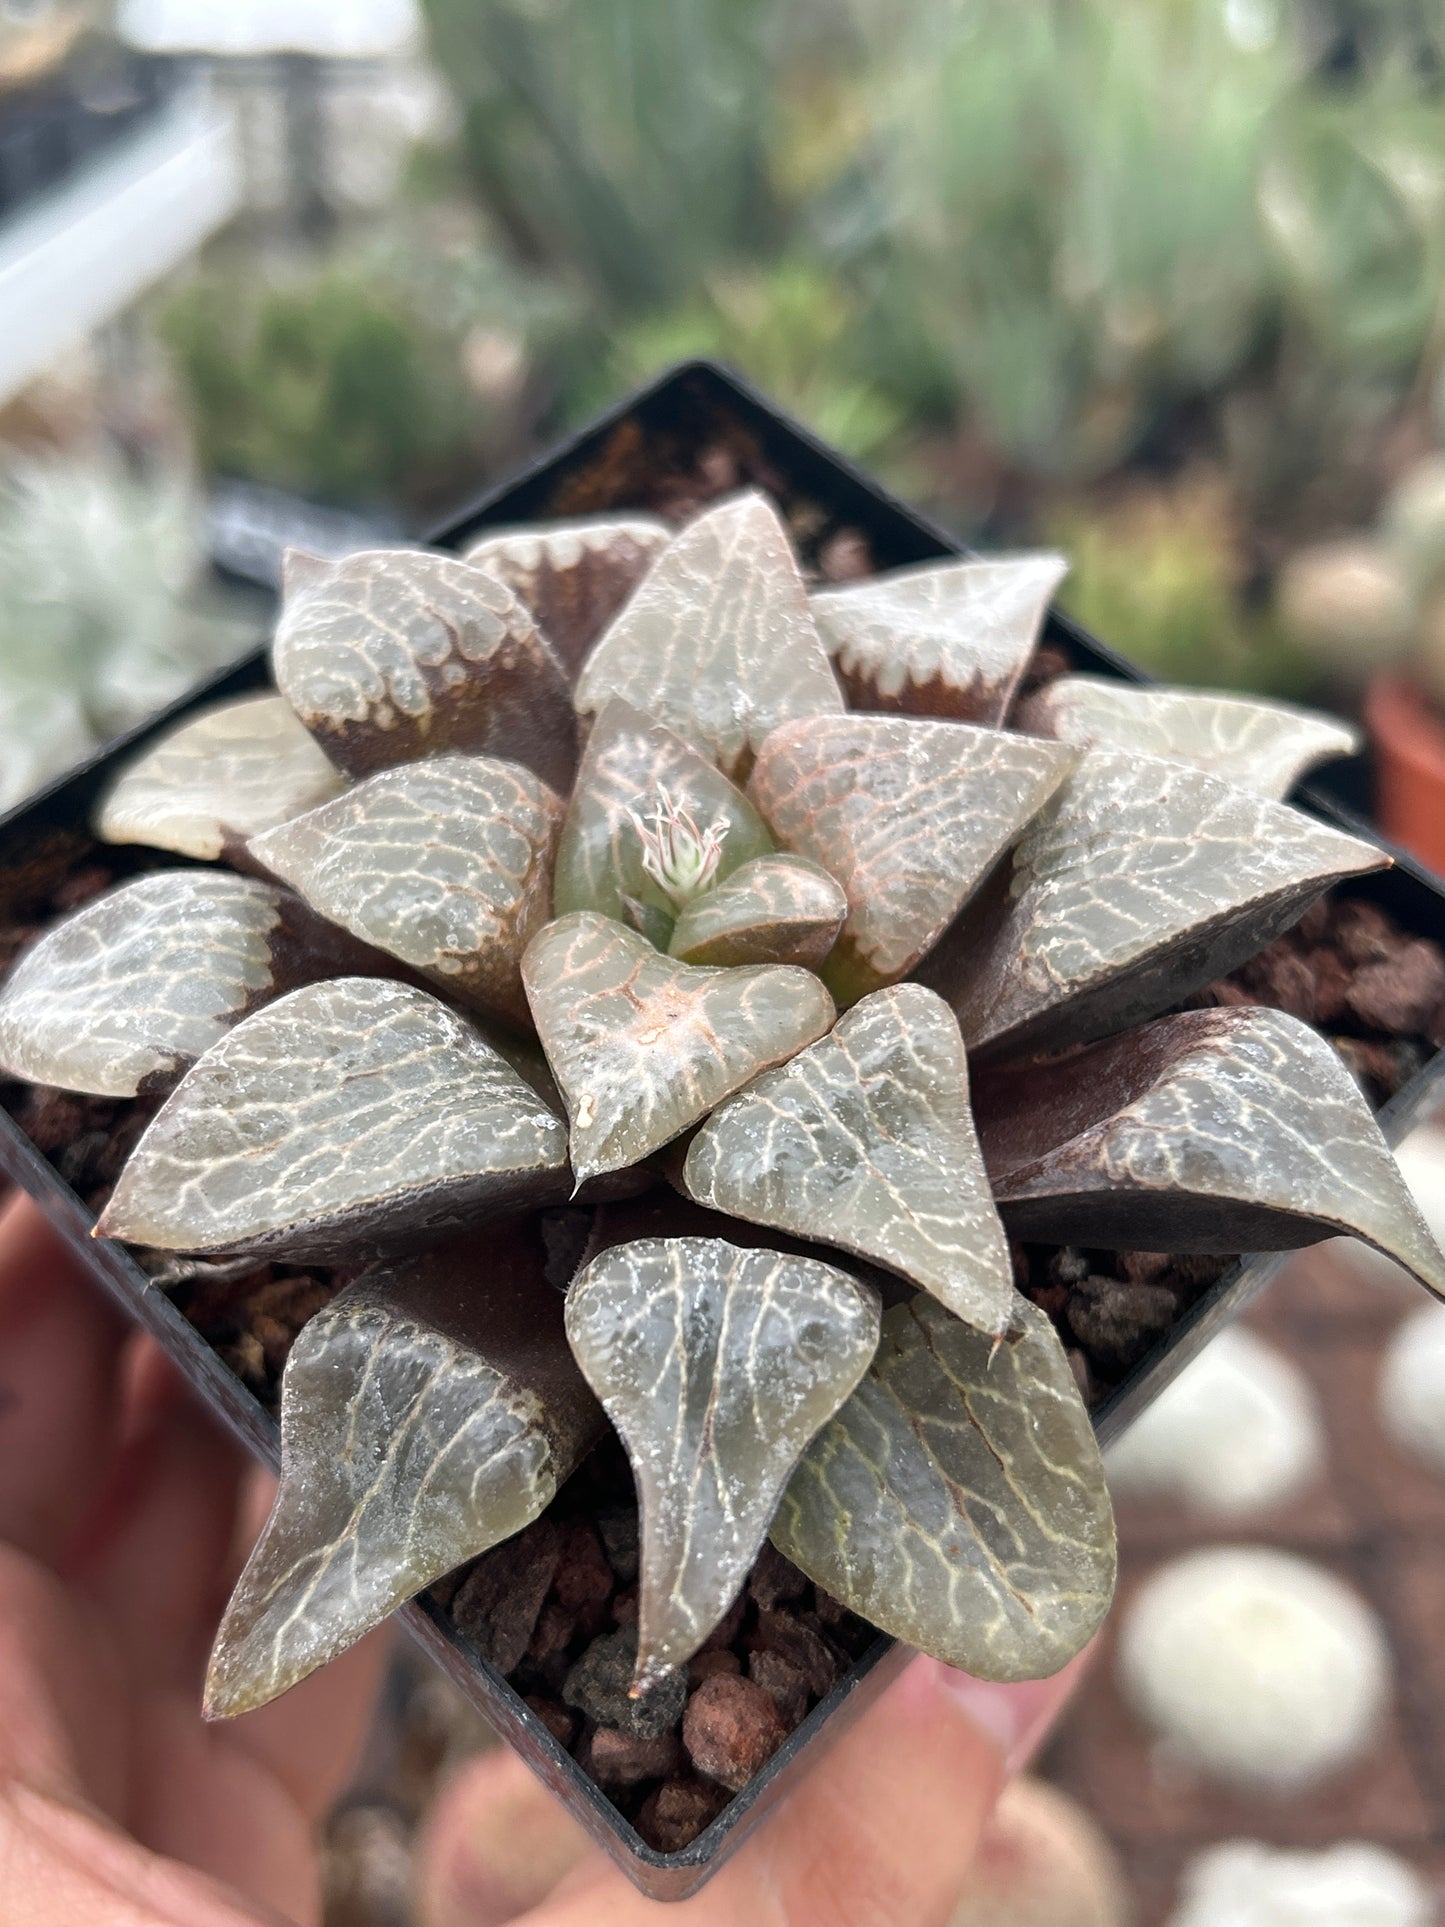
(545, 1049)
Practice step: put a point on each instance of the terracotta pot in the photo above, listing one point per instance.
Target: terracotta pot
(1409, 739)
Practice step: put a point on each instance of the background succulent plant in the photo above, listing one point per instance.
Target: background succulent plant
(782, 1233)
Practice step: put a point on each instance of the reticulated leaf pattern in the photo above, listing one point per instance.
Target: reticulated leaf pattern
(1141, 880)
(776, 909)
(220, 777)
(1262, 746)
(445, 864)
(573, 575)
(717, 1366)
(392, 654)
(349, 1118)
(866, 1140)
(642, 1046)
(124, 993)
(1212, 1130)
(958, 1500)
(940, 639)
(717, 640)
(908, 815)
(429, 1411)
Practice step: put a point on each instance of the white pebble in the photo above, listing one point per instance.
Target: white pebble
(1256, 1667)
(1412, 1386)
(1238, 1430)
(1241, 1883)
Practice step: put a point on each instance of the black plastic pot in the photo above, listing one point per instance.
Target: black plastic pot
(701, 422)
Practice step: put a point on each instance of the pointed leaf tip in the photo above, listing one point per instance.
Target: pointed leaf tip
(573, 575)
(1139, 881)
(224, 775)
(957, 1503)
(1214, 1130)
(428, 1412)
(717, 1366)
(1263, 746)
(865, 1140)
(941, 639)
(717, 640)
(641, 1046)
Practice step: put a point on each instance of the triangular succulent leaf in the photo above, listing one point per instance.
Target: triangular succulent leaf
(717, 640)
(122, 995)
(776, 909)
(223, 775)
(717, 1366)
(642, 1046)
(573, 575)
(908, 815)
(865, 1140)
(392, 654)
(351, 1118)
(445, 864)
(939, 639)
(1140, 881)
(630, 759)
(1262, 746)
(958, 1499)
(429, 1411)
(1213, 1130)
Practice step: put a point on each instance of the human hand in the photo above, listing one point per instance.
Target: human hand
(124, 1518)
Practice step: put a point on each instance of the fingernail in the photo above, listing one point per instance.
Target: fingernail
(1015, 1718)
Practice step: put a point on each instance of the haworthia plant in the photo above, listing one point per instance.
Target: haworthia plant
(717, 1366)
(941, 639)
(430, 1410)
(574, 576)
(1261, 746)
(219, 779)
(671, 926)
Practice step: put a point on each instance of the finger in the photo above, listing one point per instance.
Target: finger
(1042, 1860)
(496, 1844)
(881, 1832)
(156, 1561)
(60, 1342)
(64, 1865)
(311, 1738)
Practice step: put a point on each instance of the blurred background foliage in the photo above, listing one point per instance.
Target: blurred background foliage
(1161, 280)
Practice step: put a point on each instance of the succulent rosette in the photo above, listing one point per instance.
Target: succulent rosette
(664, 990)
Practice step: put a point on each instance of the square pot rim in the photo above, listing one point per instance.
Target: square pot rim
(663, 1876)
